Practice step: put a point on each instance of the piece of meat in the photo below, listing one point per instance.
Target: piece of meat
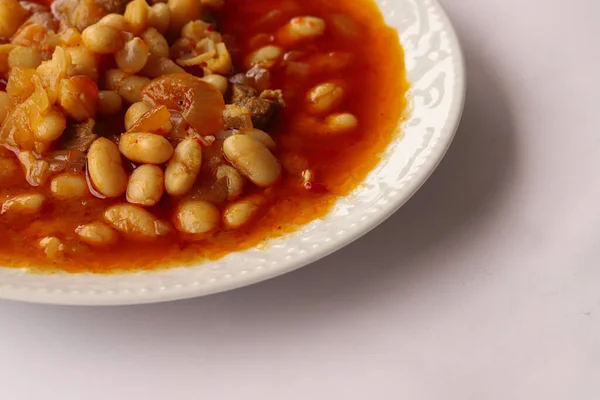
(263, 106)
(79, 136)
(237, 117)
(240, 92)
(273, 95)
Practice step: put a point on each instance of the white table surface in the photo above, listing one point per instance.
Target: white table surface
(486, 286)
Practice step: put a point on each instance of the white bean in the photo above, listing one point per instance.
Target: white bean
(242, 212)
(323, 98)
(252, 159)
(114, 78)
(181, 12)
(53, 247)
(145, 148)
(97, 234)
(266, 56)
(146, 185)
(105, 168)
(261, 136)
(49, 127)
(184, 167)
(160, 17)
(217, 81)
(116, 21)
(300, 29)
(137, 14)
(157, 44)
(134, 112)
(68, 186)
(12, 15)
(102, 39)
(341, 122)
(135, 221)
(24, 204)
(133, 56)
(197, 217)
(131, 87)
(109, 102)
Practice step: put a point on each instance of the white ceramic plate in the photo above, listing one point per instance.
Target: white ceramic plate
(436, 72)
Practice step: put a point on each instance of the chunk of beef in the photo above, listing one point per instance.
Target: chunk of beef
(273, 95)
(263, 106)
(237, 117)
(241, 92)
(79, 136)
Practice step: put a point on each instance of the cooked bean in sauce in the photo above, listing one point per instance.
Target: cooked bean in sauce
(139, 135)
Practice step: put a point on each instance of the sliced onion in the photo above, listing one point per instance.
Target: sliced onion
(180, 126)
(200, 104)
(65, 160)
(152, 121)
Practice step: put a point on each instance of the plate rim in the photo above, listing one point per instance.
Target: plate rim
(180, 292)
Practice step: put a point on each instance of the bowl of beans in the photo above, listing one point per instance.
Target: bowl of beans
(160, 150)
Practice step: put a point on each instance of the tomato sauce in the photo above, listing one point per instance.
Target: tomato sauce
(375, 93)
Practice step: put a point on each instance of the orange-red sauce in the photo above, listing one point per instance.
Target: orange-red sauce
(376, 95)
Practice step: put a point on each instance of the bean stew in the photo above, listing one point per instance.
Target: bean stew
(138, 135)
